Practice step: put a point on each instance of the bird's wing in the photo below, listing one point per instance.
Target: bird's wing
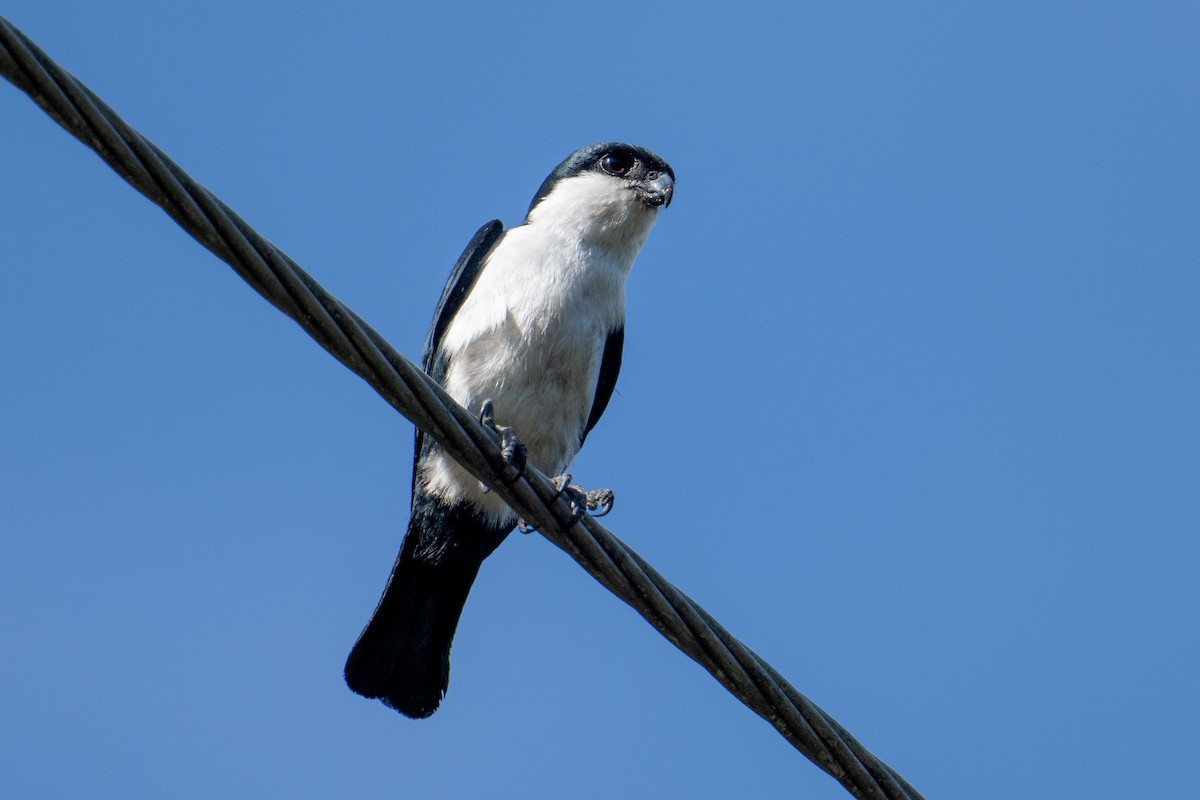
(458, 285)
(462, 278)
(610, 366)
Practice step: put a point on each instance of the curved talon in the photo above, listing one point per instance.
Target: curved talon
(600, 502)
(487, 414)
(525, 527)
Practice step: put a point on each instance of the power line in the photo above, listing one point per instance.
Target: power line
(411, 392)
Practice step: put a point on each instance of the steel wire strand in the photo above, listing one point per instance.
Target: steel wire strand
(349, 339)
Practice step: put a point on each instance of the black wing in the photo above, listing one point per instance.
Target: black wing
(458, 285)
(610, 366)
(462, 278)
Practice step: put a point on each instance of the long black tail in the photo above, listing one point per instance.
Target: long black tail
(402, 657)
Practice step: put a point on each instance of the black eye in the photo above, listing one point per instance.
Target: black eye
(616, 164)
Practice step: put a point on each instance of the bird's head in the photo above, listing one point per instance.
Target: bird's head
(607, 190)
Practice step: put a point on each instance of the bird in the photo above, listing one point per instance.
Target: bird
(529, 333)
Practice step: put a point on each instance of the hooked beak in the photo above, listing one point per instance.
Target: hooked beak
(656, 191)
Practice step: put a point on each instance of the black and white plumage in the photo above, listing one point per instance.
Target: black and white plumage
(533, 319)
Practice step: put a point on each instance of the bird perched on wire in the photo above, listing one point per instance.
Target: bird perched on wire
(529, 333)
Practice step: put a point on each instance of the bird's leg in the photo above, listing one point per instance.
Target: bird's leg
(597, 502)
(511, 449)
(575, 494)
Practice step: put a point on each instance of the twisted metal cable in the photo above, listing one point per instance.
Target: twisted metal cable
(411, 392)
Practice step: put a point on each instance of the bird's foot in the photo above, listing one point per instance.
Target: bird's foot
(511, 449)
(600, 501)
(597, 502)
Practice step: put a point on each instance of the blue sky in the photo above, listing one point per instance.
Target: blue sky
(909, 400)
